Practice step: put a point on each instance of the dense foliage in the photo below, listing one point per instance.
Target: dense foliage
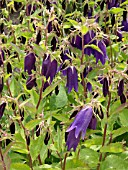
(63, 84)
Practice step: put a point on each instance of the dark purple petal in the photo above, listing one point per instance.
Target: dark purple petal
(69, 79)
(89, 86)
(29, 63)
(53, 44)
(46, 65)
(75, 79)
(38, 37)
(119, 34)
(53, 70)
(122, 99)
(1, 57)
(77, 42)
(31, 82)
(105, 87)
(93, 123)
(64, 55)
(101, 79)
(72, 141)
(99, 56)
(72, 79)
(87, 70)
(121, 87)
(30, 9)
(9, 68)
(125, 26)
(49, 26)
(2, 108)
(1, 84)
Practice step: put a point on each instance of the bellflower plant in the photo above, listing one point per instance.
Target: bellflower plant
(79, 126)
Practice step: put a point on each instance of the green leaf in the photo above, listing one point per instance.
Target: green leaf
(32, 124)
(19, 166)
(90, 157)
(115, 10)
(17, 49)
(124, 117)
(50, 89)
(93, 141)
(74, 23)
(84, 29)
(34, 97)
(61, 98)
(39, 50)
(113, 162)
(113, 148)
(14, 87)
(36, 146)
(119, 131)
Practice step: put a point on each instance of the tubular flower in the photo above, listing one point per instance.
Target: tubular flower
(121, 87)
(72, 79)
(29, 63)
(105, 87)
(31, 82)
(1, 84)
(78, 127)
(1, 57)
(49, 68)
(101, 56)
(2, 108)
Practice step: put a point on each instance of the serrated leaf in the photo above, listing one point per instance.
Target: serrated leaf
(124, 117)
(32, 124)
(119, 131)
(112, 148)
(36, 146)
(19, 166)
(113, 162)
(61, 98)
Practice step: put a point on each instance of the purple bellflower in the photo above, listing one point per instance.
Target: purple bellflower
(79, 126)
(101, 56)
(72, 79)
(89, 86)
(122, 99)
(121, 87)
(49, 68)
(29, 63)
(2, 108)
(30, 9)
(1, 84)
(31, 82)
(105, 87)
(1, 57)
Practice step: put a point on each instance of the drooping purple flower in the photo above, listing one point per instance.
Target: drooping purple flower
(31, 82)
(38, 37)
(101, 79)
(72, 79)
(121, 87)
(78, 127)
(112, 3)
(29, 63)
(53, 44)
(1, 84)
(64, 55)
(77, 42)
(119, 34)
(87, 70)
(1, 57)
(105, 87)
(49, 26)
(125, 25)
(49, 68)
(2, 108)
(89, 86)
(101, 56)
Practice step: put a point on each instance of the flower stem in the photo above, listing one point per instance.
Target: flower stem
(64, 165)
(2, 159)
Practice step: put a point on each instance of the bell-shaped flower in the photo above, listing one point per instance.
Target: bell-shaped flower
(1, 57)
(120, 87)
(93, 123)
(49, 68)
(122, 99)
(1, 84)
(78, 127)
(31, 82)
(72, 79)
(2, 108)
(30, 9)
(105, 87)
(89, 86)
(101, 56)
(29, 63)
